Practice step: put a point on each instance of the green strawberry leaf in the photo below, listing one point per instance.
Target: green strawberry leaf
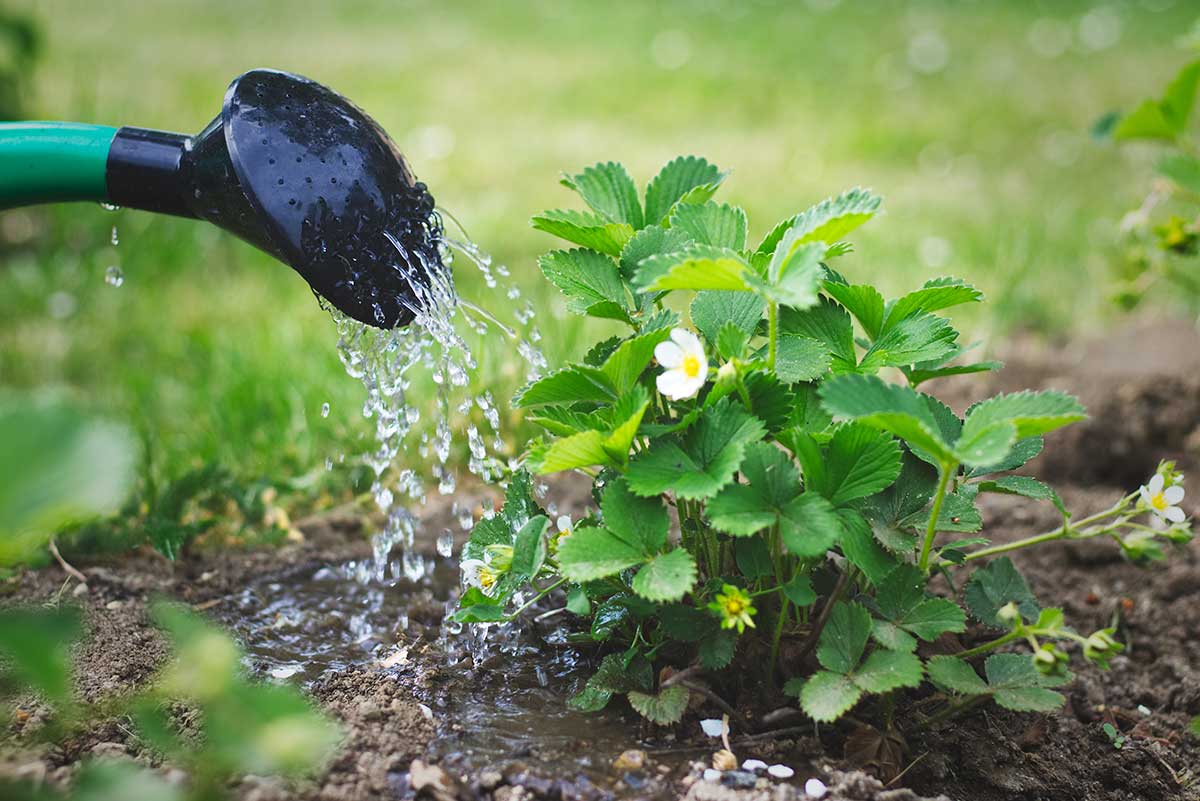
(861, 300)
(937, 294)
(799, 358)
(884, 671)
(828, 221)
(954, 675)
(653, 240)
(994, 586)
(591, 553)
(888, 407)
(703, 460)
(1026, 487)
(827, 323)
(589, 280)
(809, 525)
(582, 228)
(610, 191)
(915, 339)
(696, 268)
(666, 577)
(665, 708)
(686, 179)
(844, 637)
(575, 383)
(718, 224)
(712, 310)
(772, 482)
(825, 696)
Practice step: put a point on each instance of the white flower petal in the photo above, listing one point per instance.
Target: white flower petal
(1173, 495)
(693, 385)
(713, 727)
(1145, 494)
(1156, 484)
(673, 384)
(669, 354)
(781, 771)
(1174, 514)
(815, 788)
(563, 523)
(754, 765)
(686, 340)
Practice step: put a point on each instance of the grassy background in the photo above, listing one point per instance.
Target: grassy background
(971, 118)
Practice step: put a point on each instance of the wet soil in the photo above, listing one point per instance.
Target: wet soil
(432, 716)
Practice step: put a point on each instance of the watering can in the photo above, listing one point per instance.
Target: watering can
(289, 166)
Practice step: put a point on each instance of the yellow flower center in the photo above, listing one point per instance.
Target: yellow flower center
(1158, 501)
(691, 366)
(486, 578)
(734, 607)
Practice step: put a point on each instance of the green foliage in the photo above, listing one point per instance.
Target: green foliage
(57, 467)
(764, 481)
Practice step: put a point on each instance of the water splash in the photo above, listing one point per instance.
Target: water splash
(113, 276)
(388, 363)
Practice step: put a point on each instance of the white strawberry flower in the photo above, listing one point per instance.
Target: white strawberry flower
(685, 362)
(1162, 500)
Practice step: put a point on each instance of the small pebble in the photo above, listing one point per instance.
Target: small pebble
(1145, 710)
(712, 727)
(630, 760)
(712, 775)
(426, 711)
(754, 764)
(815, 788)
(113, 605)
(781, 771)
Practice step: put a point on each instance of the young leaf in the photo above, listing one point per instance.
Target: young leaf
(476, 607)
(529, 547)
(698, 267)
(654, 240)
(772, 482)
(861, 549)
(884, 671)
(574, 383)
(937, 294)
(717, 224)
(828, 221)
(919, 374)
(1021, 452)
(731, 341)
(1030, 413)
(1017, 685)
(794, 275)
(919, 338)
(1026, 487)
(703, 460)
(954, 675)
(592, 553)
(711, 310)
(687, 179)
(665, 708)
(642, 522)
(587, 230)
(583, 449)
(826, 696)
(844, 637)
(906, 612)
(861, 461)
(827, 323)
(666, 577)
(861, 300)
(888, 407)
(589, 280)
(625, 365)
(809, 525)
(610, 191)
(996, 585)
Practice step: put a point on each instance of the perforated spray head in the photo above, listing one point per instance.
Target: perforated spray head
(297, 170)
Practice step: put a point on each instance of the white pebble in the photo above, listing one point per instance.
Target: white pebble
(815, 788)
(712, 775)
(781, 771)
(712, 727)
(1145, 710)
(754, 765)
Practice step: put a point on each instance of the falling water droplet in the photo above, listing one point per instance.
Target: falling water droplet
(113, 276)
(325, 409)
(445, 543)
(109, 206)
(116, 240)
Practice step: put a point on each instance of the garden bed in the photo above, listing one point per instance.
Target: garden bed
(498, 726)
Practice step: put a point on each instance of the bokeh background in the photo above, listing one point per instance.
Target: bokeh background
(971, 118)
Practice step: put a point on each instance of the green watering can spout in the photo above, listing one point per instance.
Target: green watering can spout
(288, 165)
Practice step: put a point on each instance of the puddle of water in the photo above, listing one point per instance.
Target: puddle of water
(507, 697)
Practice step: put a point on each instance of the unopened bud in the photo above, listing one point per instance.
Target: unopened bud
(1009, 613)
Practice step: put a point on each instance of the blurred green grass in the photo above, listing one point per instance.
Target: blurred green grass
(971, 118)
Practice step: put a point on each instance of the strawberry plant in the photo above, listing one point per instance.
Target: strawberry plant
(758, 482)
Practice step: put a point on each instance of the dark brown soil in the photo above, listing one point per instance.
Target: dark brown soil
(1143, 390)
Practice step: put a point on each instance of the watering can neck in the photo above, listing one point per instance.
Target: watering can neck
(145, 171)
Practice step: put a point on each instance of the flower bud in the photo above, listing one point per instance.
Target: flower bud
(499, 557)
(1009, 613)
(724, 760)
(727, 374)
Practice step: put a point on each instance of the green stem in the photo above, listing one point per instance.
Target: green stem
(1015, 634)
(772, 333)
(930, 533)
(541, 594)
(772, 666)
(1065, 532)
